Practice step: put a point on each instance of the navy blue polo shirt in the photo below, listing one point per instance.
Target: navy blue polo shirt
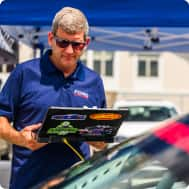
(32, 87)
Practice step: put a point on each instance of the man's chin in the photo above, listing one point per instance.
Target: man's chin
(68, 60)
(67, 64)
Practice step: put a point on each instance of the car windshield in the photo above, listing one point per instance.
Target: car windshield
(124, 166)
(149, 113)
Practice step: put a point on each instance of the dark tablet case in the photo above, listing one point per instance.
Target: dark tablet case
(80, 124)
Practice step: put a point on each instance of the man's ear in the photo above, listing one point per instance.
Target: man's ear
(88, 39)
(50, 38)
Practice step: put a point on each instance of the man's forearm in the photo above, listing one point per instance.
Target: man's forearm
(8, 133)
(25, 138)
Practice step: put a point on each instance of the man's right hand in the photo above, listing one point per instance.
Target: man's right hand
(28, 137)
(25, 138)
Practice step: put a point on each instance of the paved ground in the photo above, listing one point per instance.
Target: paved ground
(4, 173)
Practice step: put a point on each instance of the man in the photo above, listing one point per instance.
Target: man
(57, 79)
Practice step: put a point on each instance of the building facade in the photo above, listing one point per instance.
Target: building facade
(128, 75)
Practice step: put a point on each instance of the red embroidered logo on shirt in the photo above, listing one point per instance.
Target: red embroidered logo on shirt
(81, 94)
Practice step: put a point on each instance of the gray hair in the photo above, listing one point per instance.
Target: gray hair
(71, 21)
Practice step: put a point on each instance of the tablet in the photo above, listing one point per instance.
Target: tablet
(80, 124)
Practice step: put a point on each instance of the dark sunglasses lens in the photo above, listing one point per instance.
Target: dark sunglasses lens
(78, 46)
(62, 43)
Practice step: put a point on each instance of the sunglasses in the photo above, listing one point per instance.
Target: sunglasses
(63, 43)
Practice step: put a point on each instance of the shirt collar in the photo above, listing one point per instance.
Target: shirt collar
(49, 67)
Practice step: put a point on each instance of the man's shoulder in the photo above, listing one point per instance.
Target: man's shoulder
(32, 64)
(29, 63)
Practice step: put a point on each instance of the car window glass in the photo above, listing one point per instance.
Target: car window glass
(127, 168)
(148, 113)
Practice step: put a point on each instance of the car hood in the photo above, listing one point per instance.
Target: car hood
(135, 128)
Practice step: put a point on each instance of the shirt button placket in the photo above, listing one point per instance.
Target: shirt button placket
(65, 97)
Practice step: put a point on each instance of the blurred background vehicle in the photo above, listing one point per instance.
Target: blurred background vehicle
(155, 161)
(144, 115)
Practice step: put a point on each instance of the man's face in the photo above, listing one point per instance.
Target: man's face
(66, 49)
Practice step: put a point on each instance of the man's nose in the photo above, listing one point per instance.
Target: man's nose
(69, 49)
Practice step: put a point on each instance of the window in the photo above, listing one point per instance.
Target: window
(1, 68)
(6, 68)
(10, 67)
(148, 113)
(142, 68)
(109, 68)
(148, 66)
(154, 68)
(103, 63)
(97, 66)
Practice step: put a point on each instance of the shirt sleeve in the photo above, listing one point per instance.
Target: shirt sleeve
(9, 95)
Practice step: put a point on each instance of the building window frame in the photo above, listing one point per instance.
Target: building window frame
(148, 66)
(105, 60)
